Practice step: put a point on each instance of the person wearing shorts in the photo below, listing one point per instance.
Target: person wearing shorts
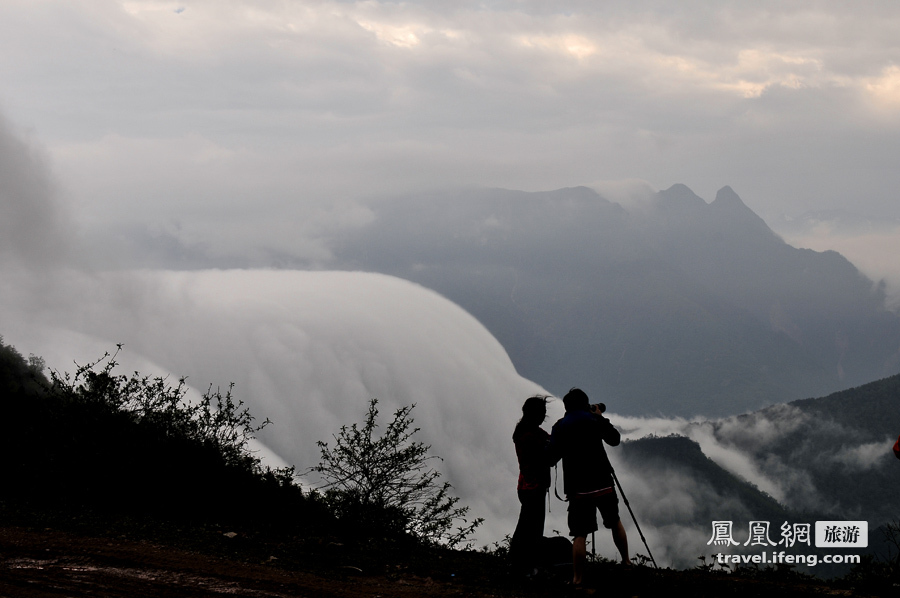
(578, 440)
(583, 511)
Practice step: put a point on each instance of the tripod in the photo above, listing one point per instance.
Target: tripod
(633, 518)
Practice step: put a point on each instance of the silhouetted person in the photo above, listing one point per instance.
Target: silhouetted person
(578, 440)
(534, 480)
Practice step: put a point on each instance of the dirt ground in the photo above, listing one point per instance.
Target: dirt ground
(53, 563)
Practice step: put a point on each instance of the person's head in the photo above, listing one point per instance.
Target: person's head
(534, 411)
(576, 400)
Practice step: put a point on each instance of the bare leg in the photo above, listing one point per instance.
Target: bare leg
(621, 542)
(579, 556)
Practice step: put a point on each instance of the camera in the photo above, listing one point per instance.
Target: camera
(598, 408)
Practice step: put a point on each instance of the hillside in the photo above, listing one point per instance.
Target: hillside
(728, 496)
(828, 454)
(101, 503)
(828, 458)
(95, 441)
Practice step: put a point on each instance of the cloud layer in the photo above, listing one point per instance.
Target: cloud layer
(307, 350)
(216, 122)
(250, 130)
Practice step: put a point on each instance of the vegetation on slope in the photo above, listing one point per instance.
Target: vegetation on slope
(115, 455)
(96, 440)
(103, 441)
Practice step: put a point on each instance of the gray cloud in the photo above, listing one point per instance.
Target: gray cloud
(33, 231)
(306, 349)
(229, 112)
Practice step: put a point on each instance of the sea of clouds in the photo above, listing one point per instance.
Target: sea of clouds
(309, 349)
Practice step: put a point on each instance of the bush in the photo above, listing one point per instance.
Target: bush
(134, 444)
(216, 422)
(387, 486)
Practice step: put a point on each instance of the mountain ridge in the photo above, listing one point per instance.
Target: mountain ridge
(818, 459)
(582, 291)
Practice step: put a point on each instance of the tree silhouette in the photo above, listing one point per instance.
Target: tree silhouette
(388, 482)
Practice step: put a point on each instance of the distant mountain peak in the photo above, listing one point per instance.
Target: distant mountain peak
(730, 208)
(679, 188)
(727, 197)
(680, 196)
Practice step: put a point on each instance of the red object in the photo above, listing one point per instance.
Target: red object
(897, 448)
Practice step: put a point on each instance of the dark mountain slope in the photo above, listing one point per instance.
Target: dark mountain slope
(830, 454)
(715, 493)
(687, 308)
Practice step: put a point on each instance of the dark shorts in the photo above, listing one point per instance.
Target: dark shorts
(583, 513)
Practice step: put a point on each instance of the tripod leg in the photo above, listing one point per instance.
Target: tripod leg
(633, 518)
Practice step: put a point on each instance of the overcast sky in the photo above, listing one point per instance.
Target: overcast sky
(262, 122)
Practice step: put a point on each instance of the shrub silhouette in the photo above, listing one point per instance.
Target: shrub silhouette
(134, 444)
(386, 485)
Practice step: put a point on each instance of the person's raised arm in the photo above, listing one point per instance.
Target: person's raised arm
(608, 432)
